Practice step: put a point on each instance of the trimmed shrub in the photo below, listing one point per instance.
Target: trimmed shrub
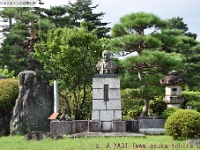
(183, 124)
(157, 107)
(8, 95)
(169, 111)
(191, 99)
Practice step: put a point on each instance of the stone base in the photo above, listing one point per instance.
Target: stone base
(151, 126)
(154, 131)
(106, 126)
(173, 105)
(94, 126)
(81, 126)
(132, 126)
(118, 126)
(62, 127)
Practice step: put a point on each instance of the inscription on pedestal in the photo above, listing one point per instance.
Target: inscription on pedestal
(105, 89)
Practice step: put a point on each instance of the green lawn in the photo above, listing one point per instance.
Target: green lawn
(98, 143)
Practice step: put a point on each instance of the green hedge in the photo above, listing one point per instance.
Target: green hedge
(191, 99)
(183, 124)
(169, 111)
(8, 94)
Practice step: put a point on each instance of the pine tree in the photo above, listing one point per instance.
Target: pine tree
(83, 11)
(151, 63)
(18, 42)
(57, 15)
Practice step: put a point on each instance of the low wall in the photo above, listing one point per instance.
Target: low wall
(151, 126)
(145, 126)
(78, 126)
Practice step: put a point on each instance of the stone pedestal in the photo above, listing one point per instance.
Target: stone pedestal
(106, 105)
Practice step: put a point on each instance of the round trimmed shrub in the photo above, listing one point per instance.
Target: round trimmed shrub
(8, 95)
(157, 107)
(169, 111)
(183, 124)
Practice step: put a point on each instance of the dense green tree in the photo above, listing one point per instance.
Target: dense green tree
(82, 10)
(141, 32)
(16, 44)
(184, 42)
(8, 14)
(70, 54)
(13, 53)
(192, 65)
(178, 23)
(57, 15)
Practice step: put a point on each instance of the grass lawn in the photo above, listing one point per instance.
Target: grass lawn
(98, 143)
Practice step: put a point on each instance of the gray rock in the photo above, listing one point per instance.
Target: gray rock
(33, 105)
(35, 135)
(195, 142)
(53, 135)
(40, 135)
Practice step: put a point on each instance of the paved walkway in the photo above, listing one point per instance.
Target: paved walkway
(106, 134)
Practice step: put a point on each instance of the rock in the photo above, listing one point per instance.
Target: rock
(33, 105)
(34, 135)
(40, 135)
(53, 135)
(195, 142)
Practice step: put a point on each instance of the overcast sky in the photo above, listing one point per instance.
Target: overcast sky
(189, 10)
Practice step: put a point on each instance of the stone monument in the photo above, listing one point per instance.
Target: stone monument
(106, 107)
(33, 105)
(173, 87)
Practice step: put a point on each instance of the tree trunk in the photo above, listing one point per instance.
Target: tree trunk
(77, 116)
(146, 102)
(145, 108)
(67, 103)
(10, 22)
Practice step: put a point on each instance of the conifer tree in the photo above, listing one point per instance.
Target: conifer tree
(82, 10)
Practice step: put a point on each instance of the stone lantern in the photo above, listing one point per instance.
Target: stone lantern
(173, 87)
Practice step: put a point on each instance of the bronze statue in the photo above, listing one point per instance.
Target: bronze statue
(106, 66)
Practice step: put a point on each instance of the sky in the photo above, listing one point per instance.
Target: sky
(189, 10)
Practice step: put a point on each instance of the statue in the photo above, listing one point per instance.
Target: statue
(106, 66)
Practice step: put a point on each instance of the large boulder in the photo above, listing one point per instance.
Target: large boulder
(33, 106)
